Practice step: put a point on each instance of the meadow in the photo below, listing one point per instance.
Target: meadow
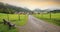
(55, 18)
(17, 19)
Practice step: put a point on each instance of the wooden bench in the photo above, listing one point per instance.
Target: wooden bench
(5, 21)
(8, 23)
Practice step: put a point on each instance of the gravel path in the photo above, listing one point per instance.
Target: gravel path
(37, 25)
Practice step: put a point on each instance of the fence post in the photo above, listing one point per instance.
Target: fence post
(50, 15)
(19, 16)
(7, 16)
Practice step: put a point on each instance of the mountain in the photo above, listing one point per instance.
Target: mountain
(11, 9)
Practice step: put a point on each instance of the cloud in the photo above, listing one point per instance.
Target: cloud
(32, 4)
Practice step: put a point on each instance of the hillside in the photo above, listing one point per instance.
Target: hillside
(6, 8)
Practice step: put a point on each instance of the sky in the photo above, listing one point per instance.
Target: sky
(33, 4)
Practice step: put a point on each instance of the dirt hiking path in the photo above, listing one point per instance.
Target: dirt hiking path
(37, 25)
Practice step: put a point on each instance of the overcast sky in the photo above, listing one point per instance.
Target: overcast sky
(32, 4)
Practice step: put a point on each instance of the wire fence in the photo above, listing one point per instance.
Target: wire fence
(11, 17)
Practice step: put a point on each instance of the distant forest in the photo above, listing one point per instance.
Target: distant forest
(54, 11)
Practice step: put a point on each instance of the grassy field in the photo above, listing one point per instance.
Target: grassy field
(16, 19)
(55, 18)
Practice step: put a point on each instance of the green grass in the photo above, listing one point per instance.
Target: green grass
(55, 18)
(4, 28)
(19, 20)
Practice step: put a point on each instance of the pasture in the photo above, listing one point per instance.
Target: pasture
(55, 18)
(17, 19)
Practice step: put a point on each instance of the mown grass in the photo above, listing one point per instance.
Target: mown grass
(17, 19)
(55, 18)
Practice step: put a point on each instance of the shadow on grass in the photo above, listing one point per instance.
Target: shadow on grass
(15, 20)
(5, 28)
(1, 22)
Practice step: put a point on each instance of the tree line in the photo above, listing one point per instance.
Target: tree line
(6, 8)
